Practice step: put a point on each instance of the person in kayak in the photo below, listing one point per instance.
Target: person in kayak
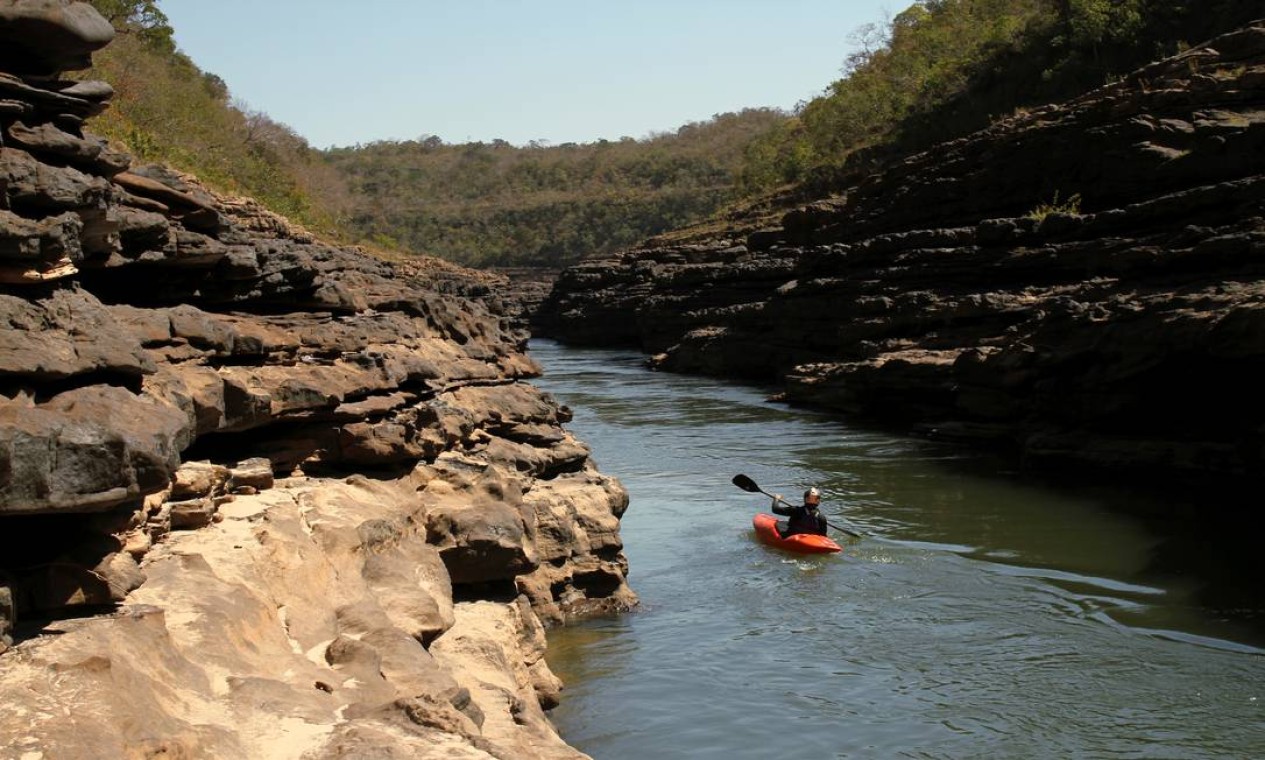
(805, 519)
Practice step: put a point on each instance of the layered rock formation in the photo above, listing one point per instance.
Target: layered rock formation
(523, 291)
(260, 496)
(1084, 283)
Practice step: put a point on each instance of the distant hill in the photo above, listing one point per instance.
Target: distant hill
(938, 69)
(476, 204)
(497, 204)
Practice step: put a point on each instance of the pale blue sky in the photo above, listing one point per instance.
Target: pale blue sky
(342, 72)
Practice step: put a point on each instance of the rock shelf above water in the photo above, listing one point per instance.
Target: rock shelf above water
(1083, 284)
(260, 495)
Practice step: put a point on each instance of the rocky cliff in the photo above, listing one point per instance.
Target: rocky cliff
(1083, 283)
(260, 496)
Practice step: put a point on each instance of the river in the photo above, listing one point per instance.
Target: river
(984, 614)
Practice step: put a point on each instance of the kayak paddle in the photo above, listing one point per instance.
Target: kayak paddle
(747, 484)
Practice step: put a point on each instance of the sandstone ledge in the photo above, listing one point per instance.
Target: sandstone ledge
(311, 621)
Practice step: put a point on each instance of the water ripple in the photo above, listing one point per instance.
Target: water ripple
(986, 618)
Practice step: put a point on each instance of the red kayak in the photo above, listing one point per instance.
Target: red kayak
(803, 543)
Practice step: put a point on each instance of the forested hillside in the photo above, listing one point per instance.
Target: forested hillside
(168, 110)
(938, 69)
(497, 204)
(476, 203)
(944, 68)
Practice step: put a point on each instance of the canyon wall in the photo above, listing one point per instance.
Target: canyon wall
(260, 496)
(1083, 284)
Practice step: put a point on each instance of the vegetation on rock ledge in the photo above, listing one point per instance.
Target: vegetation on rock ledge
(944, 68)
(939, 69)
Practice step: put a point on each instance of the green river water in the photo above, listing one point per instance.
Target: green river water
(985, 616)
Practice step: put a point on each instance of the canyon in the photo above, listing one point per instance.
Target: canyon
(263, 495)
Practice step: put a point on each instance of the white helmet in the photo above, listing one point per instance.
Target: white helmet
(812, 496)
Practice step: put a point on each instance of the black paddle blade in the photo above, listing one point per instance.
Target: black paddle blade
(746, 484)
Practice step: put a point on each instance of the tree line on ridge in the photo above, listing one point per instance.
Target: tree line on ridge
(937, 70)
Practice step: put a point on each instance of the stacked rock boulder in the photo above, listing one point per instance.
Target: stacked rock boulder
(1083, 283)
(260, 496)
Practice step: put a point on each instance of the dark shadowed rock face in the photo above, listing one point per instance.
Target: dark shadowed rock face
(1120, 326)
(286, 460)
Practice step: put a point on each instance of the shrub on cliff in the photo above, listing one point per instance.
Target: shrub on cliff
(168, 110)
(140, 18)
(944, 68)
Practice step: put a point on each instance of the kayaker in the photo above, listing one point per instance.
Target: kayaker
(805, 519)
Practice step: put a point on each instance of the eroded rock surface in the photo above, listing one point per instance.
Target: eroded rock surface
(1084, 283)
(314, 620)
(260, 496)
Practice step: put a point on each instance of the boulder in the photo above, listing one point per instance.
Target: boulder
(65, 334)
(32, 187)
(52, 141)
(48, 36)
(193, 514)
(194, 480)
(141, 231)
(86, 450)
(251, 473)
(120, 573)
(477, 520)
(481, 543)
(39, 244)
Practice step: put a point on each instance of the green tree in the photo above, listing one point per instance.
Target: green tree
(142, 18)
(1093, 23)
(925, 56)
(942, 68)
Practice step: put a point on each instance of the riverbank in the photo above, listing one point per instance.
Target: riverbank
(261, 495)
(1080, 285)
